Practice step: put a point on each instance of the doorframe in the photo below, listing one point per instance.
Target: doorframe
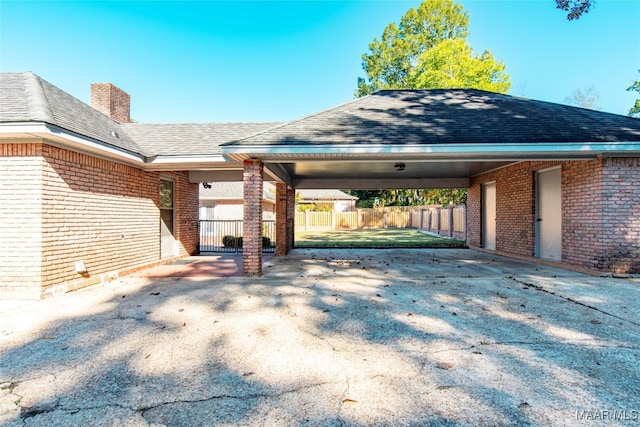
(537, 232)
(172, 180)
(483, 217)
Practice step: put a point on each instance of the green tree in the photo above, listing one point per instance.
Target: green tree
(451, 64)
(635, 110)
(429, 40)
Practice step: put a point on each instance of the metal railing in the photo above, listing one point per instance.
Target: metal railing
(221, 235)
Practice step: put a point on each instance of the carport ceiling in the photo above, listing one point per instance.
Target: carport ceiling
(369, 174)
(442, 136)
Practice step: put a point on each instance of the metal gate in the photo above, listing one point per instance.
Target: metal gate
(219, 235)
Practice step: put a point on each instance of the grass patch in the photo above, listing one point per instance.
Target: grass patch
(373, 238)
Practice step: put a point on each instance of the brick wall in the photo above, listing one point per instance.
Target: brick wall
(90, 209)
(600, 212)
(515, 207)
(621, 215)
(582, 214)
(252, 221)
(20, 220)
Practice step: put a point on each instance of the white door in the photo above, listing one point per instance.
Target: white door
(549, 215)
(489, 215)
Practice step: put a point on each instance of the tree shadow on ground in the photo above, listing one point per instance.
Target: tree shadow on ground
(372, 340)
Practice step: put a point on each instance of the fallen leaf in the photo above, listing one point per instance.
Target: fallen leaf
(476, 352)
(147, 356)
(181, 310)
(523, 405)
(444, 387)
(349, 401)
(154, 293)
(444, 365)
(409, 314)
(48, 337)
(248, 374)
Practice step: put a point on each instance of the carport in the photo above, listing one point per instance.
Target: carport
(460, 139)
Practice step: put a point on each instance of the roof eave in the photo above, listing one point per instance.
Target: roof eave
(64, 138)
(498, 151)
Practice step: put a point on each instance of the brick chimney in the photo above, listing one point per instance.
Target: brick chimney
(111, 101)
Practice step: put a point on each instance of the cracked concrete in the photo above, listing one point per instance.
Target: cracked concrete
(330, 337)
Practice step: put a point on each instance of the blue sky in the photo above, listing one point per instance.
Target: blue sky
(214, 61)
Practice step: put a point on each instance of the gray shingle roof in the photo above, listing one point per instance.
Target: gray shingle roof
(25, 97)
(233, 190)
(325, 195)
(186, 139)
(443, 116)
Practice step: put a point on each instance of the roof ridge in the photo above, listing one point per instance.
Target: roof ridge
(39, 108)
(298, 119)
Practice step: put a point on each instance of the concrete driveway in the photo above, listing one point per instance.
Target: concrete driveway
(331, 337)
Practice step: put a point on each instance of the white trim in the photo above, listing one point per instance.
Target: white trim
(475, 150)
(71, 140)
(162, 160)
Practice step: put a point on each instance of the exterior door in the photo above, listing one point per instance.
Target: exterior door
(489, 215)
(167, 241)
(549, 214)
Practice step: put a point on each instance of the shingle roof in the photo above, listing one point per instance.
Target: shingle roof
(190, 138)
(25, 97)
(443, 116)
(233, 190)
(325, 195)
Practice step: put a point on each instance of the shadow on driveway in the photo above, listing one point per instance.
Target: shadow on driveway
(331, 337)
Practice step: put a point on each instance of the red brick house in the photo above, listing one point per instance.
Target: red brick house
(86, 195)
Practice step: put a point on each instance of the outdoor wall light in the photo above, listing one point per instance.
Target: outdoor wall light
(399, 166)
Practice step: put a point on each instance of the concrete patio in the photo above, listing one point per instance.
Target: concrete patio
(330, 337)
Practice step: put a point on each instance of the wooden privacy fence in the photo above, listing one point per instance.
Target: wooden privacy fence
(449, 221)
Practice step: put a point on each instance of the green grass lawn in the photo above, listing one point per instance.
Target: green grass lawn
(373, 238)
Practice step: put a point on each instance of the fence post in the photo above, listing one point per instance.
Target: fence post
(333, 220)
(464, 222)
(306, 220)
(359, 218)
(437, 214)
(420, 221)
(384, 218)
(450, 214)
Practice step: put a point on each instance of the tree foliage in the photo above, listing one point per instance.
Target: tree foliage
(575, 8)
(408, 197)
(451, 64)
(428, 50)
(635, 110)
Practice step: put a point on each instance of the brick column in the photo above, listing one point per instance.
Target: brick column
(282, 199)
(252, 226)
(291, 216)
